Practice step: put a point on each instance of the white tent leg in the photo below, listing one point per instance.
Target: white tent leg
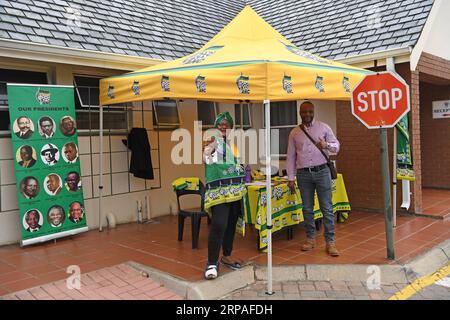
(269, 199)
(100, 180)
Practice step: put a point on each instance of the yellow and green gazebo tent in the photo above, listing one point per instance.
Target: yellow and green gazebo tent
(247, 60)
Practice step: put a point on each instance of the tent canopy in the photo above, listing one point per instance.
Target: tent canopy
(247, 60)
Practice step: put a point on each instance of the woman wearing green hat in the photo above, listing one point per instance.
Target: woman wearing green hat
(224, 191)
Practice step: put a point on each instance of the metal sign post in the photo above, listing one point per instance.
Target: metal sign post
(379, 101)
(387, 194)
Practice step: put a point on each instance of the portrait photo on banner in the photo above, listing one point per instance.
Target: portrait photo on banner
(52, 184)
(32, 220)
(73, 181)
(70, 152)
(56, 216)
(23, 127)
(68, 126)
(50, 154)
(46, 127)
(26, 156)
(29, 187)
(76, 212)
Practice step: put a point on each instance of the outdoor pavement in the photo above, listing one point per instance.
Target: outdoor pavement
(436, 203)
(334, 290)
(361, 240)
(119, 282)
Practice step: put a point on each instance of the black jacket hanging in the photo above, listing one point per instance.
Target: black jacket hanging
(141, 161)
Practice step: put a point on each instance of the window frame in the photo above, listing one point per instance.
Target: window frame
(244, 126)
(5, 107)
(280, 155)
(162, 126)
(208, 126)
(76, 86)
(96, 109)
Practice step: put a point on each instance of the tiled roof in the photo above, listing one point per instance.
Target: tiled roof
(148, 28)
(341, 28)
(168, 29)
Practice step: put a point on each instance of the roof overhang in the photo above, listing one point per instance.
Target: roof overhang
(378, 58)
(421, 43)
(74, 56)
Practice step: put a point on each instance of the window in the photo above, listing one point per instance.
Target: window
(166, 114)
(206, 112)
(237, 115)
(283, 117)
(87, 91)
(15, 76)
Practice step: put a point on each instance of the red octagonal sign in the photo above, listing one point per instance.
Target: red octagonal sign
(380, 100)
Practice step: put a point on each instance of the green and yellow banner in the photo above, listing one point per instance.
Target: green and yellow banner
(404, 159)
(47, 162)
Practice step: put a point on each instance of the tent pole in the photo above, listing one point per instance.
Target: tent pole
(269, 199)
(100, 180)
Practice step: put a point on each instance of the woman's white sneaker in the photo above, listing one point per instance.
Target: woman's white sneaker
(211, 272)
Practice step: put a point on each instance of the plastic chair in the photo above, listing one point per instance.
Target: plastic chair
(195, 214)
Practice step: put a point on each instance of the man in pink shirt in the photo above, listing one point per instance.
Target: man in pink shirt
(306, 163)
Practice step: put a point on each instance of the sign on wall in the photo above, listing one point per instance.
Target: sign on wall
(45, 149)
(441, 109)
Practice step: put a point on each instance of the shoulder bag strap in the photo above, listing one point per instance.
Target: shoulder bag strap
(302, 127)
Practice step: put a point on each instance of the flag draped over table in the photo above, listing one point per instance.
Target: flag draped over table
(404, 160)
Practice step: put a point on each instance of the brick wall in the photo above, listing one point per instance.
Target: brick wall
(359, 159)
(435, 66)
(435, 133)
(435, 138)
(414, 117)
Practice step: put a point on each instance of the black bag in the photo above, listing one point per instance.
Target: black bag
(330, 163)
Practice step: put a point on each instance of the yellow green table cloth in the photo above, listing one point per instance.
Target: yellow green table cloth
(286, 207)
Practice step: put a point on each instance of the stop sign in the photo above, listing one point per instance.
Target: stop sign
(380, 100)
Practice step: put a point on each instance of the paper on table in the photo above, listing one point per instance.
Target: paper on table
(256, 183)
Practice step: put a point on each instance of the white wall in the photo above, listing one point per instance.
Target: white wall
(121, 190)
(438, 42)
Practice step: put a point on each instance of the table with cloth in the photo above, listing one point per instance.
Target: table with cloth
(286, 207)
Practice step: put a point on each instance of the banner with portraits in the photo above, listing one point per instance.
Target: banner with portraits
(47, 162)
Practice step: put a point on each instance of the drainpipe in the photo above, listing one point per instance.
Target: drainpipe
(406, 195)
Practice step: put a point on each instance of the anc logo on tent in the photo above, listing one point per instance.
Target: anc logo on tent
(319, 84)
(43, 96)
(200, 83)
(202, 55)
(165, 83)
(242, 84)
(305, 54)
(287, 83)
(346, 84)
(135, 87)
(111, 92)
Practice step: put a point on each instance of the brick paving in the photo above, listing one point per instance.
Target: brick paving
(120, 282)
(433, 292)
(332, 290)
(361, 240)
